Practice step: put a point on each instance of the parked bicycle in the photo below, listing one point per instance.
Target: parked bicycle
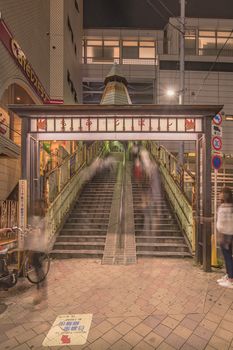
(26, 268)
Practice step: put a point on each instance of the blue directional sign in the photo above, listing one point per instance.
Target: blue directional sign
(216, 162)
(217, 119)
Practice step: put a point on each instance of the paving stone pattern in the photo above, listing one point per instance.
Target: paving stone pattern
(155, 304)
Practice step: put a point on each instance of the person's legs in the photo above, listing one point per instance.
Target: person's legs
(41, 287)
(226, 247)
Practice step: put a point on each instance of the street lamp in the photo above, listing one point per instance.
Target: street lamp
(170, 92)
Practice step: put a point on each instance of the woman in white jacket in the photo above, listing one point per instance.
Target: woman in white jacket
(225, 230)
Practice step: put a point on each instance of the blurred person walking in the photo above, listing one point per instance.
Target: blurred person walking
(37, 244)
(134, 151)
(225, 230)
(138, 171)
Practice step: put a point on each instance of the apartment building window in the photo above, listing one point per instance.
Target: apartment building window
(210, 42)
(124, 51)
(190, 42)
(207, 43)
(138, 52)
(130, 49)
(103, 51)
(147, 49)
(222, 37)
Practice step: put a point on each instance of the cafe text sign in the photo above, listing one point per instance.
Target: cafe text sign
(28, 71)
(21, 60)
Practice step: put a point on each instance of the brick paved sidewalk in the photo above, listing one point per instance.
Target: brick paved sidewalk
(156, 304)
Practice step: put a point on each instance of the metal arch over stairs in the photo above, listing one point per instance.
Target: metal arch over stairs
(131, 122)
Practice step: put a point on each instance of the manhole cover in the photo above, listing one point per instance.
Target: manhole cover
(3, 308)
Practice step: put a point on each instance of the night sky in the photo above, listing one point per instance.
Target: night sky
(139, 14)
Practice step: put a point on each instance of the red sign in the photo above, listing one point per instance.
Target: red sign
(217, 143)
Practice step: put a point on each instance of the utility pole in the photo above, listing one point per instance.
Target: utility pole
(182, 70)
(182, 34)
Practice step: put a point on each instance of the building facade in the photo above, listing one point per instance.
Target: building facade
(150, 62)
(40, 63)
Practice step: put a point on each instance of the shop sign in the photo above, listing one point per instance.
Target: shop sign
(20, 58)
(28, 71)
(69, 330)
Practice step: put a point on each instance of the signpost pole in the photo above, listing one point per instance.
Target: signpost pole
(214, 260)
(216, 164)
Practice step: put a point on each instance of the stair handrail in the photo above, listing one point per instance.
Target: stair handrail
(173, 177)
(58, 210)
(57, 178)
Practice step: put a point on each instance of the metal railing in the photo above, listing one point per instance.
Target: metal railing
(179, 184)
(57, 179)
(8, 218)
(59, 208)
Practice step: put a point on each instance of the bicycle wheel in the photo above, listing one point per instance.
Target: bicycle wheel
(37, 267)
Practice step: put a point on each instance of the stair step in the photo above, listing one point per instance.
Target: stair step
(157, 219)
(93, 205)
(72, 231)
(94, 201)
(77, 213)
(83, 238)
(164, 254)
(83, 226)
(158, 233)
(96, 211)
(69, 254)
(79, 245)
(169, 247)
(159, 239)
(87, 220)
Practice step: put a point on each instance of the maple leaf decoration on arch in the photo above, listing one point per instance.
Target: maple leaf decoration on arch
(189, 124)
(41, 124)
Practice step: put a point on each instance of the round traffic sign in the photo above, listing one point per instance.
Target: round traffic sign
(217, 143)
(217, 119)
(216, 162)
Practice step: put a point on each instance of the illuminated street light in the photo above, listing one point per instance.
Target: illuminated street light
(170, 93)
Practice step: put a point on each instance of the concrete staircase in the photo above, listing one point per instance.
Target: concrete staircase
(84, 233)
(156, 230)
